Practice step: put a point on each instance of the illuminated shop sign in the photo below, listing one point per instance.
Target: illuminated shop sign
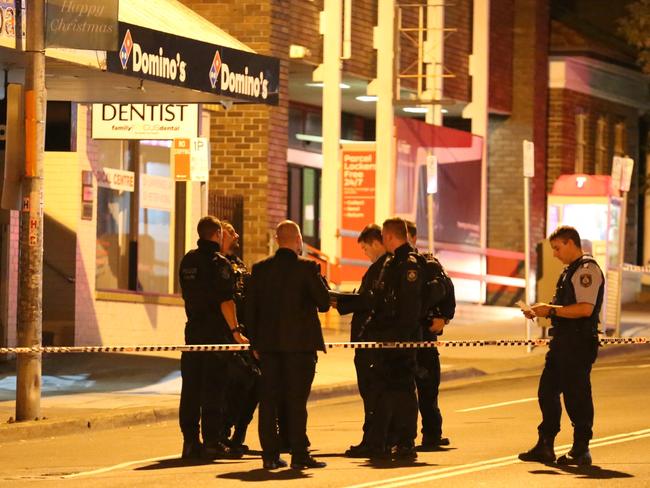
(166, 58)
(144, 120)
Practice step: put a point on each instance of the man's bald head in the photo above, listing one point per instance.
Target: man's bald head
(288, 235)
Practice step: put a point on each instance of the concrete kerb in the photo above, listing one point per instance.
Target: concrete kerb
(36, 429)
(53, 427)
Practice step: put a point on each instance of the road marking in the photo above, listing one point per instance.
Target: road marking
(120, 466)
(450, 471)
(413, 478)
(501, 404)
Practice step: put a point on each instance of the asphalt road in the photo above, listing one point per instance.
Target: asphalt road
(489, 421)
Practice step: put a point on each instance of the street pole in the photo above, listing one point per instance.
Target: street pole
(529, 172)
(434, 83)
(30, 286)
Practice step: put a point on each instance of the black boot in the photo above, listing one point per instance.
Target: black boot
(542, 452)
(579, 455)
(305, 461)
(218, 450)
(192, 449)
(238, 438)
(433, 443)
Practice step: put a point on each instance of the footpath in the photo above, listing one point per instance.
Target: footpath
(84, 391)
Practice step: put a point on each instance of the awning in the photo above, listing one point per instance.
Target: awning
(218, 65)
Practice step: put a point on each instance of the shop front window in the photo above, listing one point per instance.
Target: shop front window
(137, 227)
(113, 222)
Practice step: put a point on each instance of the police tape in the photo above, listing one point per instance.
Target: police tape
(328, 345)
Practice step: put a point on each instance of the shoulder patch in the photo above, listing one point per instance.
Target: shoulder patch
(412, 275)
(586, 280)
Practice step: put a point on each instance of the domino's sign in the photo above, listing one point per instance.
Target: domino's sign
(180, 61)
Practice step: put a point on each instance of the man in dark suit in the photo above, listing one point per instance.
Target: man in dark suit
(284, 296)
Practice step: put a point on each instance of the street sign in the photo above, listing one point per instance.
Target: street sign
(432, 174)
(191, 158)
(529, 159)
(626, 173)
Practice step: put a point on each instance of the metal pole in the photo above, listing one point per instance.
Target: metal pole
(621, 260)
(527, 252)
(30, 286)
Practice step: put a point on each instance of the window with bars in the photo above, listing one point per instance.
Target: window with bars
(619, 138)
(600, 165)
(581, 142)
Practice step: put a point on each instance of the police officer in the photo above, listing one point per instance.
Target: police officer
(359, 304)
(395, 316)
(573, 349)
(427, 379)
(243, 392)
(206, 280)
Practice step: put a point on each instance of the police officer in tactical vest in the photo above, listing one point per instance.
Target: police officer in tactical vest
(573, 349)
(395, 317)
(207, 284)
(359, 304)
(243, 391)
(427, 379)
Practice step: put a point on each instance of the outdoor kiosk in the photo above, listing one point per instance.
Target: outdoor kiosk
(591, 205)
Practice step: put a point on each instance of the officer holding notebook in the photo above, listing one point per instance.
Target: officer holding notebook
(574, 313)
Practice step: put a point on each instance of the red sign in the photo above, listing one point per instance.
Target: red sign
(358, 189)
(358, 202)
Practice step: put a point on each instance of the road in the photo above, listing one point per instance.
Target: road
(489, 421)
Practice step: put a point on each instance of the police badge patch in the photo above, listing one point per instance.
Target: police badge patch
(411, 275)
(585, 280)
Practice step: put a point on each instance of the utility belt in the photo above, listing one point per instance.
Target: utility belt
(572, 327)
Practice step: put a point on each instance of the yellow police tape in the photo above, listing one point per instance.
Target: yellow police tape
(328, 345)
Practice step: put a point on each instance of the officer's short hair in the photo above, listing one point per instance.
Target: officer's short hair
(396, 226)
(566, 233)
(370, 233)
(411, 228)
(208, 226)
(228, 227)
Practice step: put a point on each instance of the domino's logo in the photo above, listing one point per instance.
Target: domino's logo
(215, 69)
(125, 50)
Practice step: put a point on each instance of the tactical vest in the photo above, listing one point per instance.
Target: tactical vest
(565, 294)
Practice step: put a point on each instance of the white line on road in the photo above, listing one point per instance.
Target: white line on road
(120, 466)
(414, 478)
(448, 472)
(501, 404)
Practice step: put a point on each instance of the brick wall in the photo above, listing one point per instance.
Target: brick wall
(458, 46)
(563, 107)
(526, 121)
(249, 142)
(501, 46)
